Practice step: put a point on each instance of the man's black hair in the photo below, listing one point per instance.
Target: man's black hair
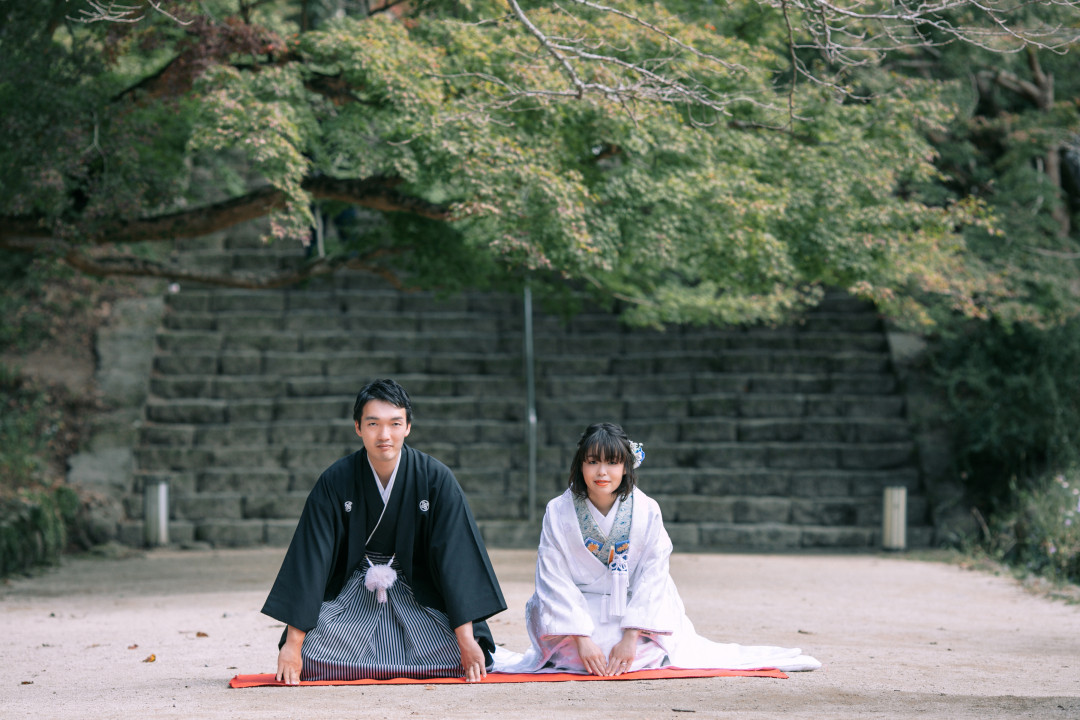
(386, 390)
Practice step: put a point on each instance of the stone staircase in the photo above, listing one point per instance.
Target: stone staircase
(764, 439)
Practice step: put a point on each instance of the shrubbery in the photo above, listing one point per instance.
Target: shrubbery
(36, 513)
(1014, 408)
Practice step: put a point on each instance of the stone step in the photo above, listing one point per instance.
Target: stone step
(828, 512)
(365, 302)
(727, 537)
(257, 375)
(201, 398)
(756, 437)
(305, 457)
(477, 429)
(255, 358)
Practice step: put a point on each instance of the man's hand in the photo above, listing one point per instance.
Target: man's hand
(622, 655)
(289, 660)
(472, 655)
(592, 657)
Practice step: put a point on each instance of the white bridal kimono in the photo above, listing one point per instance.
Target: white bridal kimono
(573, 597)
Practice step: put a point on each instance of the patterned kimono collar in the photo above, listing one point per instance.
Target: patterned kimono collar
(611, 550)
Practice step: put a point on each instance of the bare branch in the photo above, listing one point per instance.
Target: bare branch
(121, 12)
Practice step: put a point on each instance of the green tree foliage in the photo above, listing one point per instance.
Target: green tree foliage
(700, 162)
(1014, 399)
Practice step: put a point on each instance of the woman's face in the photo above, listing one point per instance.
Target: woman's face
(602, 479)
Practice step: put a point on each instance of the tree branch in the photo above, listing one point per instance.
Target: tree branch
(376, 193)
(124, 265)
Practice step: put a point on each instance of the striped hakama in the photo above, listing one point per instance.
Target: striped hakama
(358, 637)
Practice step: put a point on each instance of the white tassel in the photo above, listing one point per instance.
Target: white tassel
(619, 586)
(379, 578)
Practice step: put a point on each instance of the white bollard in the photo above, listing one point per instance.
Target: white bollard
(156, 512)
(894, 519)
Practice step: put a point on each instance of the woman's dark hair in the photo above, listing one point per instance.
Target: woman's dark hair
(607, 442)
(387, 391)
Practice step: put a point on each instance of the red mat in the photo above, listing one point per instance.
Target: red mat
(265, 679)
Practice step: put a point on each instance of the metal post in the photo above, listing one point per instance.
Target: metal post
(530, 384)
(156, 512)
(894, 519)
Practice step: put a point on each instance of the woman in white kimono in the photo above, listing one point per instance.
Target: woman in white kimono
(605, 602)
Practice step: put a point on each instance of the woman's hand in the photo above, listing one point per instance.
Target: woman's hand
(592, 657)
(621, 658)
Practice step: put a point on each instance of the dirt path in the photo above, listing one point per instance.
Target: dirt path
(899, 638)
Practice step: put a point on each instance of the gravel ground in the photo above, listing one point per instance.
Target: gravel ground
(159, 634)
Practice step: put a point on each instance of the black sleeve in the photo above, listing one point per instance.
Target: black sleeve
(459, 562)
(301, 582)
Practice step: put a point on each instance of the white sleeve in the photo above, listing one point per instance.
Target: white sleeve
(654, 605)
(562, 607)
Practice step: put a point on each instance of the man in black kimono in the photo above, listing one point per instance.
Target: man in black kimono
(386, 503)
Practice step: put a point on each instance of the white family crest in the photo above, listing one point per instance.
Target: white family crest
(348, 506)
(424, 505)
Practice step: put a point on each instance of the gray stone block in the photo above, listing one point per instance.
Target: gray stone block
(312, 458)
(758, 537)
(803, 456)
(878, 457)
(250, 411)
(268, 457)
(241, 362)
(838, 537)
(497, 506)
(226, 301)
(839, 511)
(268, 341)
(821, 484)
(510, 534)
(207, 506)
(197, 411)
(186, 364)
(298, 364)
(729, 455)
(774, 406)
(249, 387)
(273, 506)
(685, 537)
(107, 471)
(768, 430)
(665, 480)
(279, 533)
(181, 532)
(231, 533)
(761, 510)
(245, 482)
(167, 434)
(649, 408)
(695, 508)
(189, 340)
(325, 409)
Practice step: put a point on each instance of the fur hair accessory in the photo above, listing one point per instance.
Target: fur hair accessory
(379, 578)
(639, 453)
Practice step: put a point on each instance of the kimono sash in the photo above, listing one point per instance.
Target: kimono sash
(611, 550)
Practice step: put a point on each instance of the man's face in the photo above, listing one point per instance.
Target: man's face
(383, 428)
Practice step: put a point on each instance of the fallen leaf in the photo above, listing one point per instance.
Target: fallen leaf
(27, 682)
(150, 658)
(133, 647)
(201, 634)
